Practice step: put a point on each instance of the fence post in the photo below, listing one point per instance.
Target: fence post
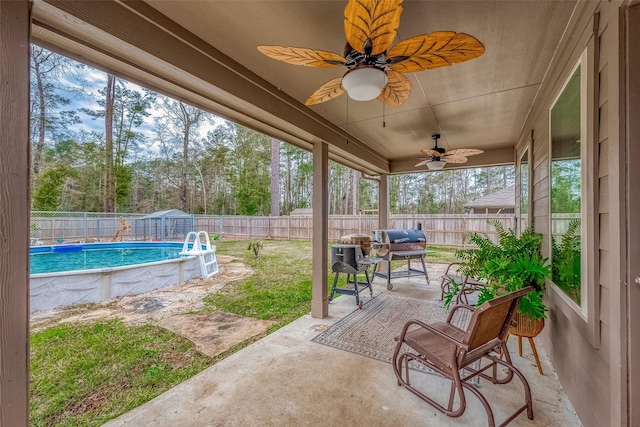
(86, 232)
(289, 227)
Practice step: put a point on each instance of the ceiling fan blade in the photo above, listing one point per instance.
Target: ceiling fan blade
(422, 163)
(434, 50)
(454, 159)
(377, 20)
(331, 89)
(397, 90)
(430, 153)
(303, 56)
(464, 152)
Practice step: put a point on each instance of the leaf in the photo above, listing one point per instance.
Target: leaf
(533, 306)
(397, 89)
(452, 292)
(377, 20)
(434, 50)
(303, 56)
(329, 90)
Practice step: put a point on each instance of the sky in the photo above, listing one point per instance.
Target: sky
(94, 81)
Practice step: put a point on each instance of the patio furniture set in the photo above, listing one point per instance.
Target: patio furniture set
(458, 354)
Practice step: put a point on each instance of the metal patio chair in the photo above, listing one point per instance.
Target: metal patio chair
(453, 352)
(467, 284)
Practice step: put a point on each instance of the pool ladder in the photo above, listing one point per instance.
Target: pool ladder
(198, 244)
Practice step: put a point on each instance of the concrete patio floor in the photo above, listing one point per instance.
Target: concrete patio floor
(285, 379)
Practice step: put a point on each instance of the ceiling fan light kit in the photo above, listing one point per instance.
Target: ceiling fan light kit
(364, 83)
(436, 165)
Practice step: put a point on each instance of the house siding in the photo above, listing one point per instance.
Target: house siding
(588, 354)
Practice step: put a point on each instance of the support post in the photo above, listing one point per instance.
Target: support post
(383, 202)
(320, 243)
(14, 214)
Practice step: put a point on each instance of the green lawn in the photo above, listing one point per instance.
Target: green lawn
(85, 374)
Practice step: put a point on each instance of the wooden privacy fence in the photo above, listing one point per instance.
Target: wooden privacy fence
(440, 230)
(69, 227)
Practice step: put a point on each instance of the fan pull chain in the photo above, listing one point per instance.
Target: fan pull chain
(347, 141)
(384, 123)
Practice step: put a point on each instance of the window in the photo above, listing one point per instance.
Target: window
(524, 190)
(568, 140)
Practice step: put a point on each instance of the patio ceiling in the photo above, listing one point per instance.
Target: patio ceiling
(204, 52)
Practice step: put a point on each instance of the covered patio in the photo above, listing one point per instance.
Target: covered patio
(204, 53)
(286, 379)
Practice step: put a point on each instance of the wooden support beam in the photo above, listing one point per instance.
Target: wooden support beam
(14, 213)
(320, 205)
(383, 202)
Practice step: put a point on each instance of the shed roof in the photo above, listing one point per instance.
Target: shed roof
(505, 198)
(171, 213)
(301, 211)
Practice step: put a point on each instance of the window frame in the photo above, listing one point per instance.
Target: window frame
(525, 156)
(588, 311)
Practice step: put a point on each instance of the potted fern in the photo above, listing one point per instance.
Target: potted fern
(511, 263)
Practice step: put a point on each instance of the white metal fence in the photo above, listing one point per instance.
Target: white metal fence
(66, 227)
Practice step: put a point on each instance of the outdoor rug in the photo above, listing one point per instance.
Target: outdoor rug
(370, 331)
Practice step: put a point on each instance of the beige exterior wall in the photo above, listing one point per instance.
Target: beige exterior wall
(588, 353)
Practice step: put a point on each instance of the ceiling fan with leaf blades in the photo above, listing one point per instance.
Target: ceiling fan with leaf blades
(437, 157)
(375, 68)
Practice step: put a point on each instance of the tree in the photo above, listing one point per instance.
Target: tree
(48, 119)
(124, 110)
(110, 94)
(178, 127)
(565, 186)
(248, 171)
(60, 159)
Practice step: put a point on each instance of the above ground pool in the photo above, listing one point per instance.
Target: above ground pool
(71, 274)
(52, 259)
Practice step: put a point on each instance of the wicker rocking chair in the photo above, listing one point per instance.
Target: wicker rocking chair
(452, 351)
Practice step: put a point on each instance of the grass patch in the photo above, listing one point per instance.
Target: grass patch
(441, 255)
(86, 374)
(279, 289)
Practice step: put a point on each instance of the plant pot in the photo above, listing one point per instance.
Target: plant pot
(524, 326)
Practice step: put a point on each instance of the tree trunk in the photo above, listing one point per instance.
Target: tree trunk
(37, 152)
(182, 204)
(108, 197)
(287, 194)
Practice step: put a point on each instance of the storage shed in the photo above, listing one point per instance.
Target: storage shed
(171, 224)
